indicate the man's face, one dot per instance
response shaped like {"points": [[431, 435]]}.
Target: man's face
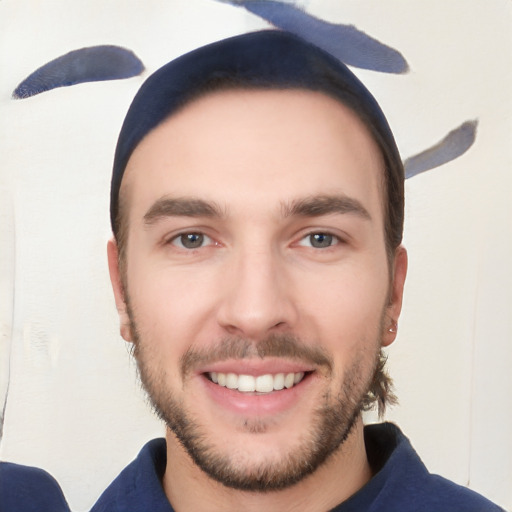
{"points": [[257, 283]]}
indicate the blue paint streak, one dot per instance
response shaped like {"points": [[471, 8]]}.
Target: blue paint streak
{"points": [[345, 42], [92, 64], [455, 144]]}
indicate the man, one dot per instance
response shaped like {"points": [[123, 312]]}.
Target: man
{"points": [[257, 267]]}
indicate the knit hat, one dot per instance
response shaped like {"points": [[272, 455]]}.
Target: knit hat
{"points": [[268, 59]]}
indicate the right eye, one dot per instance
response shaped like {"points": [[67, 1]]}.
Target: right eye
{"points": [[191, 240]]}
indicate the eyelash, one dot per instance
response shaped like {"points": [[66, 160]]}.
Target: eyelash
{"points": [[331, 238], [178, 240]]}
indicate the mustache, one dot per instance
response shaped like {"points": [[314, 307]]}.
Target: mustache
{"points": [[275, 345]]}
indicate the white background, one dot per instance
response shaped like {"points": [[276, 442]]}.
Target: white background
{"points": [[74, 404]]}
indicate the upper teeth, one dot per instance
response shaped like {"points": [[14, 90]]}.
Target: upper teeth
{"points": [[262, 383]]}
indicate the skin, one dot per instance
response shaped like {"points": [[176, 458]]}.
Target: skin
{"points": [[254, 156]]}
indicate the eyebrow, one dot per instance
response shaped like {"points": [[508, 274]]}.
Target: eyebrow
{"points": [[181, 207], [316, 206]]}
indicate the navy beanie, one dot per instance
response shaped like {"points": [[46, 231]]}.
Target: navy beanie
{"points": [[269, 59]]}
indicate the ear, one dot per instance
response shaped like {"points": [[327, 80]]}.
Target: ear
{"points": [[395, 296], [117, 286]]}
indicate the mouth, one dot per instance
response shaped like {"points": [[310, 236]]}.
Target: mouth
{"points": [[261, 384], [259, 389]]}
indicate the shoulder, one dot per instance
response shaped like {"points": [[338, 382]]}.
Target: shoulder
{"points": [[443, 494], [29, 489], [138, 486], [406, 484]]}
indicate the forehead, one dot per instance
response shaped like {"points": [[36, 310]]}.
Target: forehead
{"points": [[257, 144]]}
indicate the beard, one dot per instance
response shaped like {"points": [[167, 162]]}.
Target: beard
{"points": [[331, 421]]}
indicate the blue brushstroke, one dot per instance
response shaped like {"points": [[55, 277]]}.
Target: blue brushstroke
{"points": [[455, 144], [92, 64], [345, 42]]}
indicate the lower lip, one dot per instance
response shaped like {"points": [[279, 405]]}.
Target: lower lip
{"points": [[252, 404]]}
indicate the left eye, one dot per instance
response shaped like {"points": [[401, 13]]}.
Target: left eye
{"points": [[319, 240], [191, 240]]}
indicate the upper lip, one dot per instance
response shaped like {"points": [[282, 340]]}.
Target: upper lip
{"points": [[256, 366]]}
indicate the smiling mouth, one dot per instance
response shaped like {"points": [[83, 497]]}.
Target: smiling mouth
{"points": [[261, 384]]}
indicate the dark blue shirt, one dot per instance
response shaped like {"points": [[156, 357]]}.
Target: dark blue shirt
{"points": [[401, 482], [28, 489]]}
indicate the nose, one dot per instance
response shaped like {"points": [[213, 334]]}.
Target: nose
{"points": [[258, 295]]}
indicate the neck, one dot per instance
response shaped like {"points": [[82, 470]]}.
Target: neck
{"points": [[188, 488]]}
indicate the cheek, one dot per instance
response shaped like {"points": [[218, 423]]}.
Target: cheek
{"points": [[170, 307], [347, 298], [345, 317]]}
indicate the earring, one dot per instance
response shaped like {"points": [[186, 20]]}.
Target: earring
{"points": [[394, 327]]}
